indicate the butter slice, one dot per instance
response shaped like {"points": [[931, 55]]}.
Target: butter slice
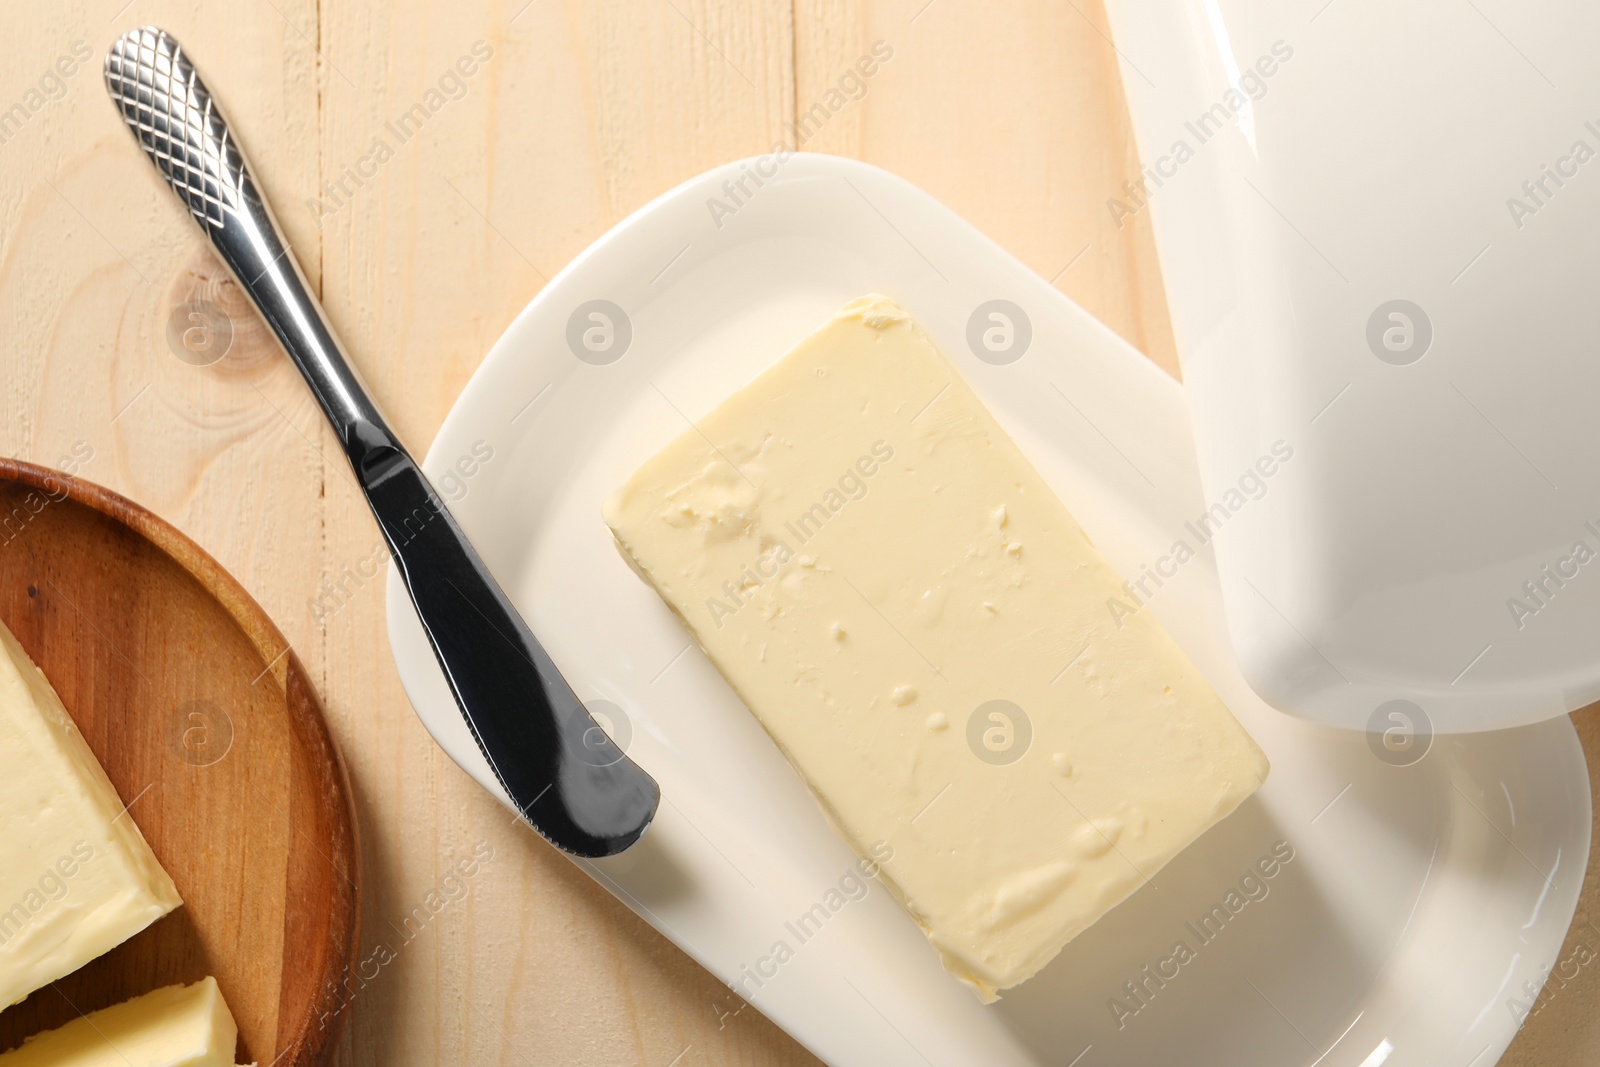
{"points": [[924, 631], [76, 876], [178, 1026]]}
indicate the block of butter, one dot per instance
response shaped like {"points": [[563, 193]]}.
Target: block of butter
{"points": [[76, 876], [928, 636], [178, 1026]]}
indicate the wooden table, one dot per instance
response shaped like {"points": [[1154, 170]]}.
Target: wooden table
{"points": [[429, 205]]}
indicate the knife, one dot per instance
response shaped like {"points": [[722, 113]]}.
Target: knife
{"points": [[557, 766]]}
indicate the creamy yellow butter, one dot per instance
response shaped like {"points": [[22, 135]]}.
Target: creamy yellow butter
{"points": [[923, 629], [76, 876], [178, 1026]]}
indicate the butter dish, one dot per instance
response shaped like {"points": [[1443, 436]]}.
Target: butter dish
{"points": [[1333, 897]]}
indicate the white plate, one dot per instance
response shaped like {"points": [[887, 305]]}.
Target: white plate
{"points": [[1420, 899]]}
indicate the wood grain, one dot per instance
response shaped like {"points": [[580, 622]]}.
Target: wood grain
{"points": [[208, 727], [1010, 112], [1013, 115]]}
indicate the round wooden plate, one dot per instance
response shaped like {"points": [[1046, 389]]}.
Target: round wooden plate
{"points": [[213, 735]]}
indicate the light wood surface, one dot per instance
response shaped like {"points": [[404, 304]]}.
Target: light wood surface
{"points": [[1010, 112], [212, 734]]}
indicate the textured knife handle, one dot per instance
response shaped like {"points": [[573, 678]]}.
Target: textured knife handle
{"points": [[176, 121]]}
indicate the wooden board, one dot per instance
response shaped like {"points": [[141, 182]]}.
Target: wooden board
{"points": [[208, 727], [1010, 112]]}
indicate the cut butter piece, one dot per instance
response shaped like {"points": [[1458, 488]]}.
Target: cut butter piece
{"points": [[927, 635], [178, 1026], [76, 876]]}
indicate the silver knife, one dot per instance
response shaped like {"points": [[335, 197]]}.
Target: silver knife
{"points": [[565, 776]]}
